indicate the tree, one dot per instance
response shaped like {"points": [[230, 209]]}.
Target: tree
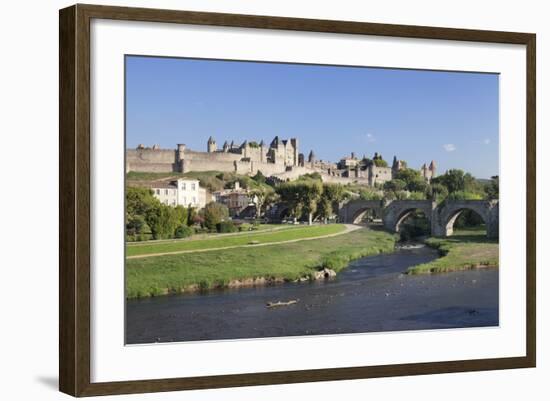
{"points": [[301, 197], [418, 185], [370, 194], [395, 185], [453, 180], [163, 221], [214, 213], [259, 177], [331, 195], [465, 195], [310, 193], [417, 195], [462, 185], [324, 209], [380, 163], [408, 175], [139, 202], [263, 197], [438, 192], [137, 226], [181, 215], [414, 182], [492, 189], [191, 215]]}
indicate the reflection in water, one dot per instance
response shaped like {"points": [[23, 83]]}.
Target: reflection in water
{"points": [[370, 295]]}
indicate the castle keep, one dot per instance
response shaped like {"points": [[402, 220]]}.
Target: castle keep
{"points": [[280, 159]]}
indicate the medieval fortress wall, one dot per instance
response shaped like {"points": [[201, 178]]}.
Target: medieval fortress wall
{"points": [[280, 159]]}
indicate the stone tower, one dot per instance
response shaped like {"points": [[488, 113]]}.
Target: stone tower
{"points": [[311, 158], [225, 147], [295, 153], [263, 152], [244, 149], [301, 159], [428, 172], [180, 154], [432, 168], [211, 145]]}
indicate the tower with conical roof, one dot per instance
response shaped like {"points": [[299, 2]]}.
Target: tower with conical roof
{"points": [[211, 145], [311, 158]]}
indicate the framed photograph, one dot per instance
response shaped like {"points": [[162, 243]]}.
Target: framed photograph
{"points": [[249, 200]]}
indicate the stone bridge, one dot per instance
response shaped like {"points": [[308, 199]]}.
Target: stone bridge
{"points": [[441, 217]]}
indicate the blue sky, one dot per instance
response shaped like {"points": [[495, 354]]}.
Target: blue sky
{"points": [[450, 117]]}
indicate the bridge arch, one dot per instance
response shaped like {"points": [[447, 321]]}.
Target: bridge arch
{"points": [[408, 213], [354, 210], [448, 212], [398, 211]]}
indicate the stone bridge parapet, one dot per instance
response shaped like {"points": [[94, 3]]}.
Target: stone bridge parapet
{"points": [[441, 217]]}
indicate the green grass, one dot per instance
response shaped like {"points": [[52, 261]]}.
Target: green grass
{"points": [[176, 273], [466, 249], [223, 241]]}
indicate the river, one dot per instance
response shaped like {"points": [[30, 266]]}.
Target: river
{"points": [[370, 295]]}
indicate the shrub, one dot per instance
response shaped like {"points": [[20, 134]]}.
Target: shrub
{"points": [[201, 230], [184, 231], [464, 195], [417, 196], [226, 227], [245, 227], [369, 194], [144, 237], [214, 213]]}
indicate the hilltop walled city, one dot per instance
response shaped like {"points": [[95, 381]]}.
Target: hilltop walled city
{"points": [[281, 161]]}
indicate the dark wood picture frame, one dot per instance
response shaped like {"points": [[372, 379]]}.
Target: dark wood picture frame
{"points": [[74, 203]]}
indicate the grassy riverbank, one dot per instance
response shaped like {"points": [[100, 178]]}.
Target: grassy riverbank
{"points": [[279, 262], [227, 240], [464, 250]]}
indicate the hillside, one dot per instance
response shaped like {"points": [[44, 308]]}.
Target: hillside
{"points": [[212, 180]]}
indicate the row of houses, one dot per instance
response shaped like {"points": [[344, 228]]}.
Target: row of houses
{"points": [[188, 192]]}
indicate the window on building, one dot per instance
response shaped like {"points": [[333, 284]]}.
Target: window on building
{"points": [[158, 191], [183, 186], [192, 187], [194, 200], [165, 192]]}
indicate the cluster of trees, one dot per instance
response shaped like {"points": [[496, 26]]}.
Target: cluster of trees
{"points": [[311, 198], [147, 218], [454, 184]]}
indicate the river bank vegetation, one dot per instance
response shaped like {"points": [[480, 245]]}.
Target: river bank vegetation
{"points": [[466, 249], [160, 275]]}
